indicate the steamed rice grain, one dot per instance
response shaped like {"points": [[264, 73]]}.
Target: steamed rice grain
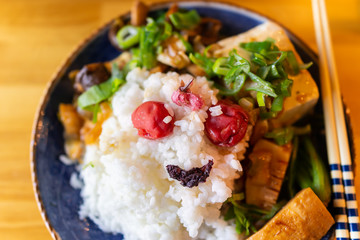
{"points": [[129, 190]]}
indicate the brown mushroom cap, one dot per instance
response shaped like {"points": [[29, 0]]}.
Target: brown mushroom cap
{"points": [[90, 75]]}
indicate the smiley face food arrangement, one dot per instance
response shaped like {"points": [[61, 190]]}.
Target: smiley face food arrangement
{"points": [[190, 134]]}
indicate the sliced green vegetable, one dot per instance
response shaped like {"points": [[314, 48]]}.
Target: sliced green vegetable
{"points": [[312, 171], [259, 59], [262, 85], [281, 136], [292, 62], [149, 37], [285, 135], [305, 65], [99, 93], [277, 104], [260, 97], [185, 20], [204, 62], [128, 36], [221, 66], [292, 168]]}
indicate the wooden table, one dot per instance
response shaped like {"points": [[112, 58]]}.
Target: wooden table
{"points": [[37, 36]]}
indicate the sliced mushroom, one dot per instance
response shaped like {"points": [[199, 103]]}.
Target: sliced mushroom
{"points": [[209, 30], [90, 75], [139, 13]]}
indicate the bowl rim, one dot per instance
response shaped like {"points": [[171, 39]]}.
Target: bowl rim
{"points": [[51, 84]]}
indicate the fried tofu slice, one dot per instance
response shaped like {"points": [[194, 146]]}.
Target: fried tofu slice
{"points": [[265, 177], [304, 218], [304, 92]]}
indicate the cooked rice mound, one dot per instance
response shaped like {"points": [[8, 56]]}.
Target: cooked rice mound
{"points": [[129, 191]]}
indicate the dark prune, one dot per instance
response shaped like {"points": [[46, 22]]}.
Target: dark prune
{"points": [[192, 177]]}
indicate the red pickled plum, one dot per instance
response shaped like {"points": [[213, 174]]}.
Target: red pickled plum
{"points": [[229, 128], [152, 120]]}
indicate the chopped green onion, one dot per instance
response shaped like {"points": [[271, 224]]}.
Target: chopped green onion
{"points": [[204, 62], [167, 31], [258, 59], [285, 87], [98, 93], [148, 39], [267, 115], [305, 65], [277, 104], [95, 111], [229, 92], [221, 66], [185, 20], [281, 136], [292, 62], [286, 134], [260, 97], [263, 72], [262, 85], [235, 60], [128, 36], [257, 47]]}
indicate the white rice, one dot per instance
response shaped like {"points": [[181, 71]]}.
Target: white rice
{"points": [[66, 160], [215, 111], [129, 190]]}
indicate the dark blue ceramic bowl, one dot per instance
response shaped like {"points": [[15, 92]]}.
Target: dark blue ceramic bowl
{"points": [[58, 201]]}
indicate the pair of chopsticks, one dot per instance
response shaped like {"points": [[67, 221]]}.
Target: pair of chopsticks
{"points": [[345, 204]]}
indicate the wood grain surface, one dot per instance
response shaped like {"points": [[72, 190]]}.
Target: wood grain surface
{"points": [[37, 36]]}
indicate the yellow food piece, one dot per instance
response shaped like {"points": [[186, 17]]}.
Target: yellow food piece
{"points": [[304, 92], [304, 217], [71, 120], [265, 177], [73, 148], [90, 132]]}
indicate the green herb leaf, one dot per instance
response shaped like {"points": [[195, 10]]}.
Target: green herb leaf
{"points": [[185, 20], [247, 215]]}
